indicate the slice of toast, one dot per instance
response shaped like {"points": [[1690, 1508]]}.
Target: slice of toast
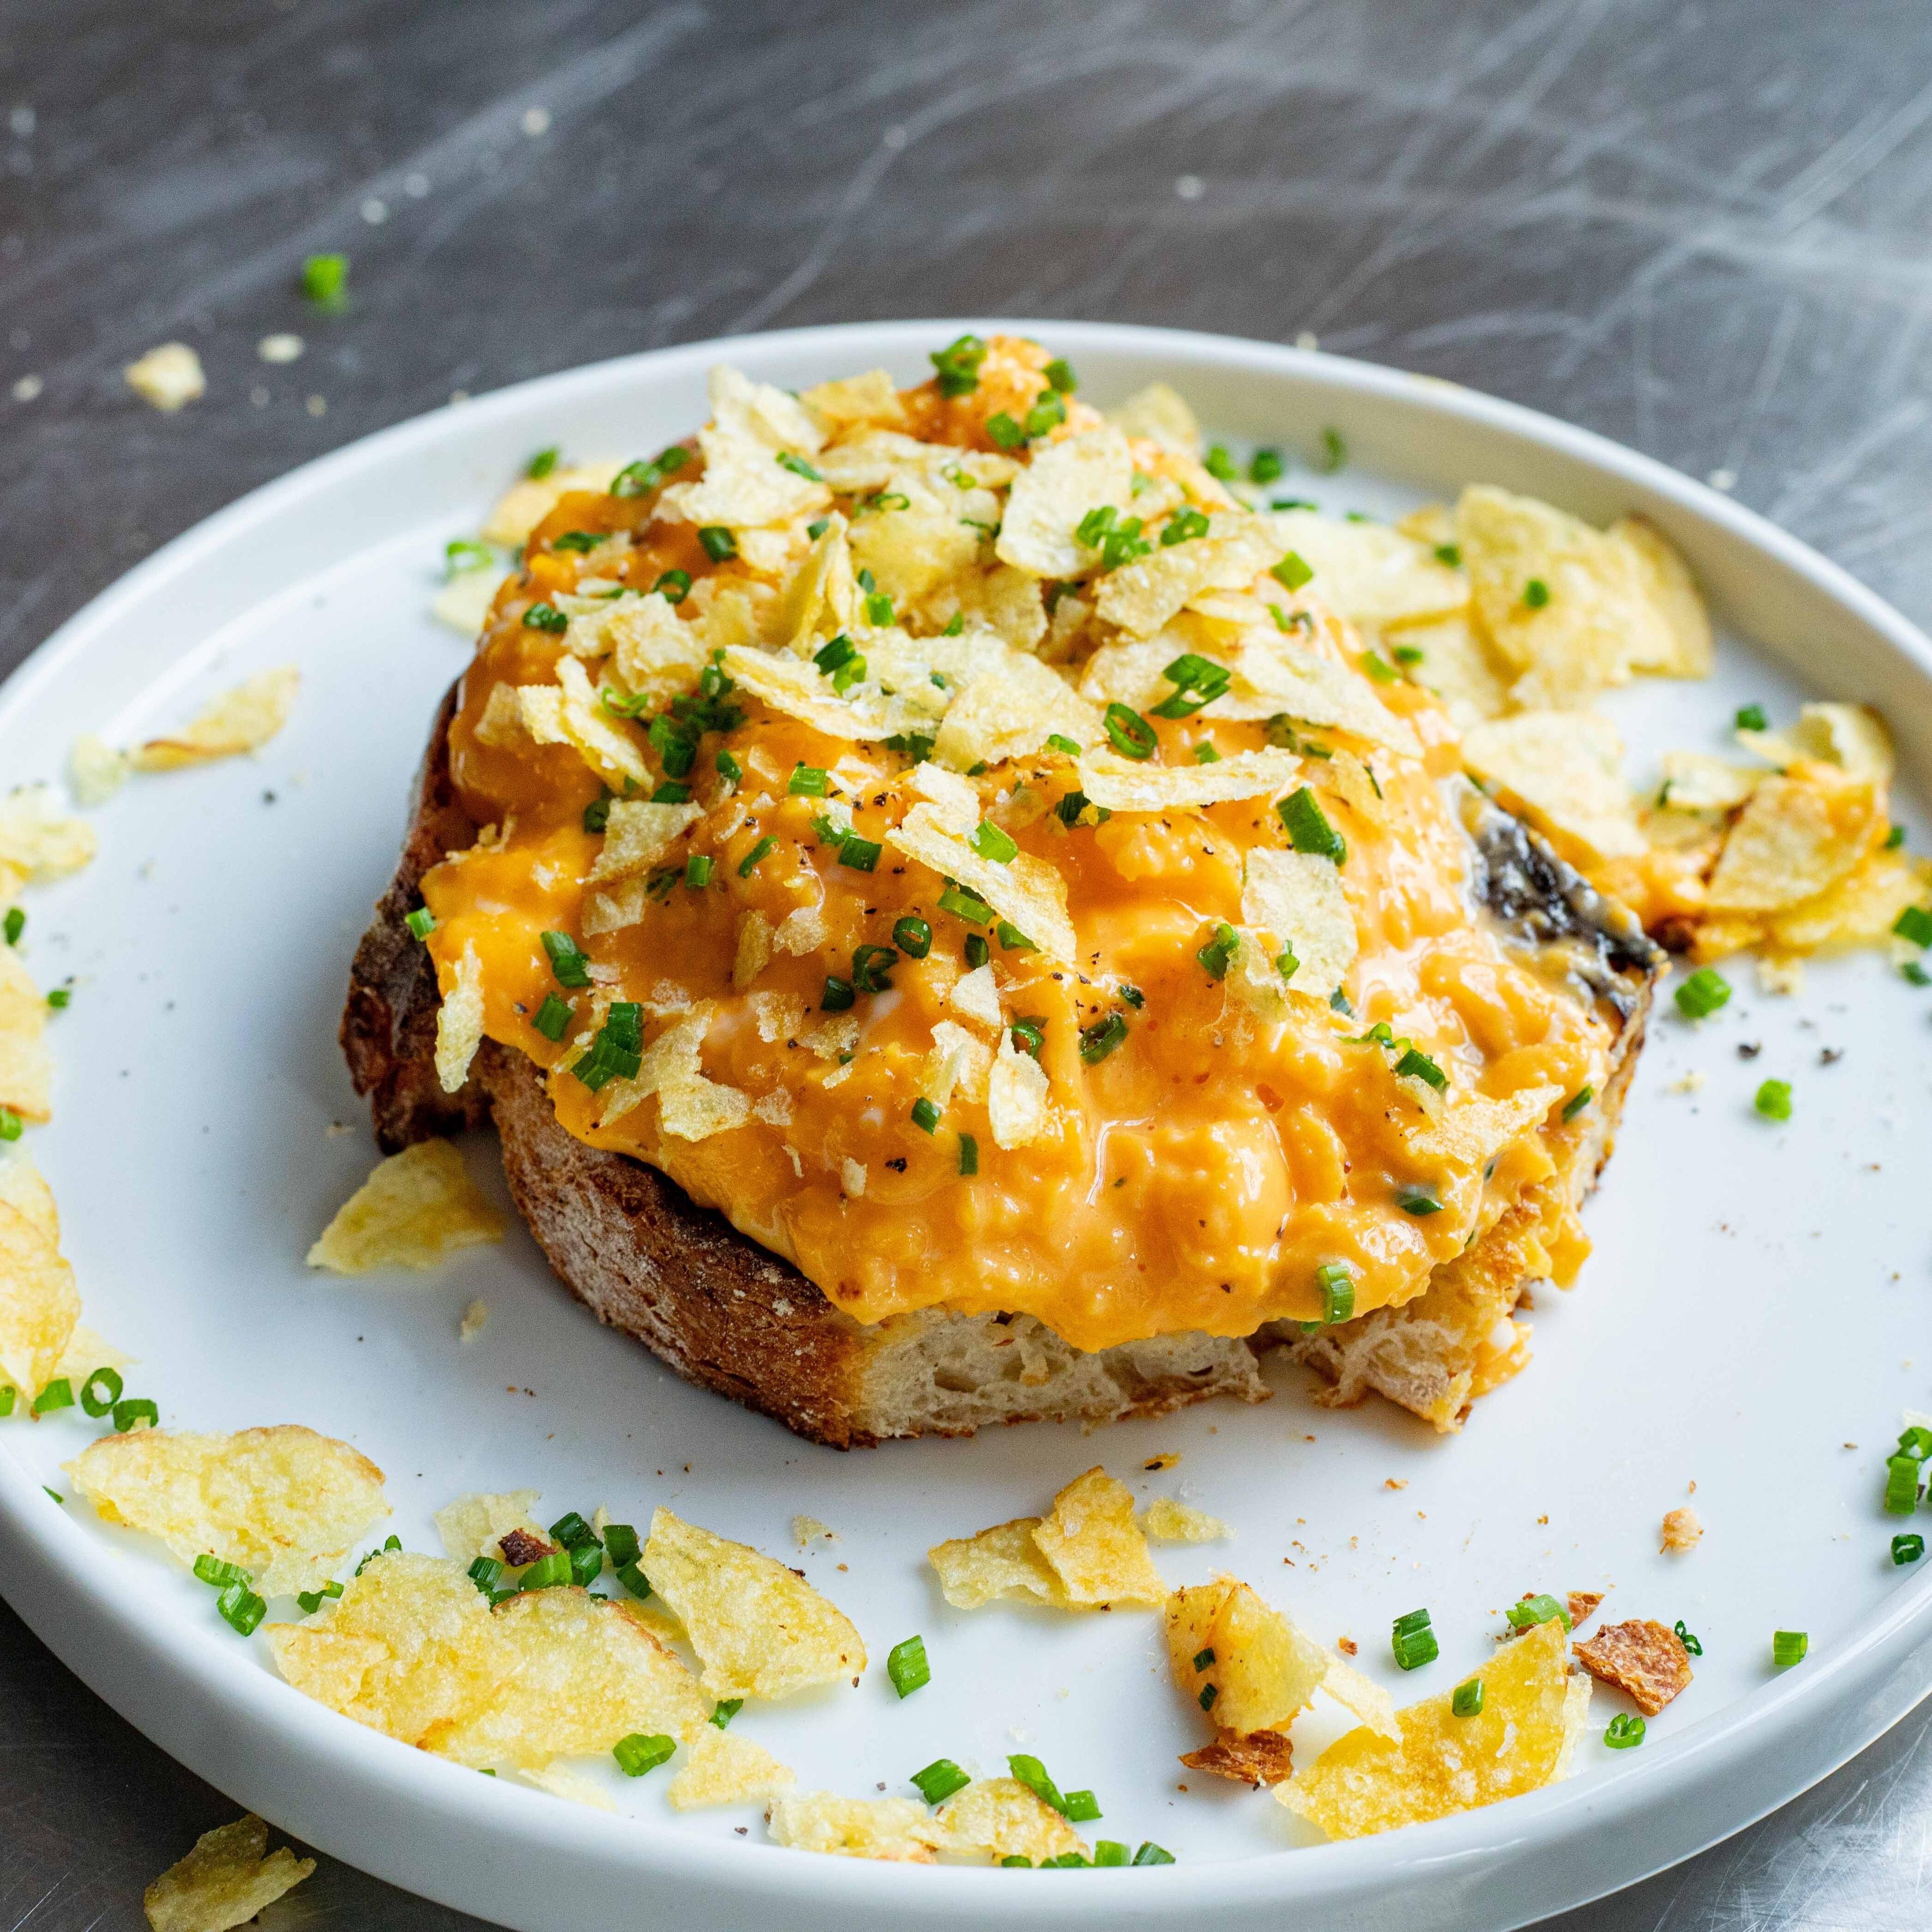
{"points": [[732, 1317]]}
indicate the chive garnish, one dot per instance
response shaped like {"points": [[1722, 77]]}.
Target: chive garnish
{"points": [[1625, 1731], [642, 1751], [1130, 733], [1414, 1641], [906, 1665], [1789, 1647], [1308, 827], [1292, 571], [1702, 994], [940, 1779], [1467, 1699]]}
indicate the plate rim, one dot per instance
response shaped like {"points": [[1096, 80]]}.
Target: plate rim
{"points": [[365, 1798]]}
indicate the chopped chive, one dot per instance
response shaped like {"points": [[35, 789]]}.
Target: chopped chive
{"points": [[1414, 1641], [1032, 1774], [1183, 526], [136, 1408], [1017, 1858], [1625, 1731], [1004, 431], [1058, 742], [912, 936], [1218, 464], [838, 995], [642, 1751], [717, 542], [10, 1124], [1751, 718], [1894, 838], [568, 962], [546, 617], [618, 1049], [9, 1395], [1414, 1064], [799, 467], [1417, 1201], [547, 1572], [1467, 1699], [60, 998], [1334, 452], [1449, 553], [459, 555], [1578, 1101], [1914, 923], [1901, 1485], [634, 1578], [940, 1779], [1082, 1808], [1788, 1647], [1907, 1548], [1292, 571], [977, 951], [620, 1540], [1029, 1034], [1407, 656], [755, 856], [1131, 735], [542, 464], [1099, 1040], [925, 1117], [241, 1609], [1379, 668], [1151, 1854], [486, 1573], [1012, 939], [729, 767], [806, 781], [957, 366], [100, 1391], [1337, 1288], [878, 614], [991, 843], [726, 1710], [1209, 1693], [957, 900], [1535, 1610], [906, 1665], [1108, 1851], [1308, 828], [1773, 1100], [573, 1532], [16, 924], [1202, 1658], [698, 871], [58, 1393], [969, 1155], [1916, 1442], [211, 1569], [860, 855], [1915, 974], [1217, 955], [1197, 681], [671, 793], [1205, 754], [587, 1565], [1059, 376], [325, 280], [1265, 465], [1702, 994], [836, 652], [1536, 593], [597, 813], [578, 541]]}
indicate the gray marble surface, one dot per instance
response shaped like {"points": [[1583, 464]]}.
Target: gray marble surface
{"points": [[1698, 225]]}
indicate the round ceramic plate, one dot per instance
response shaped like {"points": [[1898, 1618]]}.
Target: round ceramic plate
{"points": [[1753, 1310]]}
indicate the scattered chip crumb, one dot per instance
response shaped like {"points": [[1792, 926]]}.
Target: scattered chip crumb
{"points": [[1259, 1758], [1692, 1082], [168, 377], [243, 719], [1641, 1658], [1582, 1605], [806, 1529], [1167, 1521], [416, 1209], [229, 1877], [1166, 1460], [1394, 1482], [727, 1767], [1682, 1530], [475, 1317], [281, 347]]}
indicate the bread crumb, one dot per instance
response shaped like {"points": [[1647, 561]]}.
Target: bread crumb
{"points": [[1682, 1530], [1394, 1482], [474, 1317], [1346, 1645]]}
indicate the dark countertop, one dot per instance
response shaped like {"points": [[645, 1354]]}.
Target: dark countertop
{"points": [[1697, 225]]}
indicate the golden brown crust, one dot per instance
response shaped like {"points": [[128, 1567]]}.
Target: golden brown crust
{"points": [[1261, 1757], [1641, 1658]]}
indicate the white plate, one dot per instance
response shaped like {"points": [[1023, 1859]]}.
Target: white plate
{"points": [[1756, 1300]]}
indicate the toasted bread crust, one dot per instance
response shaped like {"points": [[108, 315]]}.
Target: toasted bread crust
{"points": [[730, 1316]]}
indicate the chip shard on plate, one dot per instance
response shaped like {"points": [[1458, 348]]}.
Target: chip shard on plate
{"points": [[1092, 1544], [1002, 1562], [1240, 1659], [897, 1830], [1644, 1659], [241, 720], [229, 1878], [284, 1503], [1260, 1758], [727, 1767], [39, 1305], [475, 1524], [1560, 770], [26, 1061], [1167, 1521], [995, 1818], [759, 1629], [416, 1209], [1682, 1531]]}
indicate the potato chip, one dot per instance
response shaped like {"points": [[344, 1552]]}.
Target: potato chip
{"points": [[796, 689], [1274, 674], [1167, 1521], [1018, 1109], [1010, 712], [1560, 770], [1433, 523], [36, 841], [1141, 596], [501, 726], [228, 1878], [1859, 909], [1594, 620], [957, 1060], [1361, 1696], [26, 1065], [1522, 1738], [1472, 1132], [1161, 414], [744, 486], [565, 1781], [285, 1503], [1681, 1530], [1799, 833], [858, 402], [569, 1673], [1029, 892], [759, 1629], [895, 1829], [475, 1524], [1244, 1664], [1673, 593], [1646, 1660], [168, 377], [1457, 664], [726, 1767], [464, 603], [87, 1350], [996, 1818], [95, 770], [241, 720], [1121, 785], [657, 654], [1852, 736], [570, 712], [1298, 898], [40, 1307], [977, 995], [525, 504], [405, 1649], [1371, 573], [1008, 602], [1063, 483], [1002, 1562], [1092, 1544], [415, 1210], [459, 1021], [1697, 781], [637, 835], [911, 550], [690, 1106], [1261, 1758]]}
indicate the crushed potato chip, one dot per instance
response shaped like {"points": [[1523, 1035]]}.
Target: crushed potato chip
{"points": [[1063, 483], [1092, 1544], [1272, 674], [912, 551], [1859, 909], [1369, 573], [1697, 781], [39, 1306], [1167, 1521], [1010, 711], [1645, 1659], [284, 1504], [1141, 596], [1299, 897], [168, 377], [657, 654], [1470, 1133], [475, 1525], [1560, 770], [1533, 1713], [1261, 1668], [459, 1022], [794, 688], [1017, 1107], [229, 1878], [859, 402], [570, 712], [976, 995], [26, 1065], [415, 1210], [690, 1106], [1002, 1562], [95, 770], [1457, 664], [1681, 1530], [759, 1629], [526, 503], [726, 1767], [894, 1829], [465, 602], [565, 1781], [1001, 1818], [37, 842], [1673, 594], [241, 720], [637, 834], [957, 1059], [1261, 1758], [1799, 834], [501, 726], [568, 1674], [1121, 785], [1029, 892], [1161, 414]]}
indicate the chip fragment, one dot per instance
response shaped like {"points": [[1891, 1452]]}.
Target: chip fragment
{"points": [[1261, 1757], [897, 1830], [39, 1306], [37, 842], [241, 720], [475, 1525], [459, 1022], [1092, 1544], [1560, 770], [1161, 415], [1121, 785], [1800, 833], [637, 835], [1523, 1738], [727, 1767], [284, 1503], [1298, 898], [228, 1878], [26, 1065], [1000, 1818], [1371, 573], [416, 1209], [525, 503], [1642, 1658], [1063, 484], [1682, 1531], [1028, 891], [1167, 1521], [759, 1629], [1241, 1661], [1002, 1562]]}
